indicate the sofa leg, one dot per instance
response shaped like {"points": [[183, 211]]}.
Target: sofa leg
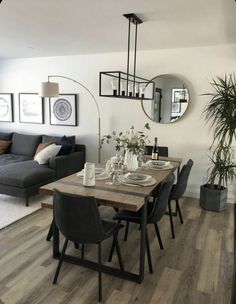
{"points": [[27, 202]]}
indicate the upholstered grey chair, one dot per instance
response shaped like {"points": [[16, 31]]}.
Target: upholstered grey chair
{"points": [[163, 151], [78, 219], [177, 192], [155, 212]]}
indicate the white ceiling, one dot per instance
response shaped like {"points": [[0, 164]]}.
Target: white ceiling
{"points": [[33, 28]]}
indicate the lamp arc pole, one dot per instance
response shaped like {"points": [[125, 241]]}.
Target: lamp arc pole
{"points": [[95, 101]]}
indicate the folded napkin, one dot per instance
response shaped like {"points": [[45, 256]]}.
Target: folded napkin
{"points": [[100, 174]]}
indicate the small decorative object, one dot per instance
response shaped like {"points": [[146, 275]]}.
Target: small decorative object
{"points": [[131, 160], [220, 112], [6, 107], [133, 144], [63, 110], [89, 175], [31, 108]]}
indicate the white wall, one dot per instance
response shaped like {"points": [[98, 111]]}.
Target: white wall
{"points": [[187, 138]]}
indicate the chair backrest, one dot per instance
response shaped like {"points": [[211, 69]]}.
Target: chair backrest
{"points": [[163, 151], [161, 200], [181, 185], [77, 217]]}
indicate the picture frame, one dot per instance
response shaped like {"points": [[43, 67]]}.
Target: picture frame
{"points": [[31, 108], [177, 95], [176, 107], [63, 110], [6, 107]]}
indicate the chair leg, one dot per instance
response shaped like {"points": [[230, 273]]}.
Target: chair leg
{"points": [[50, 232], [76, 245], [60, 261], [149, 254], [118, 251], [126, 231], [171, 220], [99, 272], [179, 211], [158, 236], [82, 251], [111, 251], [27, 202]]}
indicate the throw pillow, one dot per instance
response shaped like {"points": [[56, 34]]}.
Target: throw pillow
{"points": [[56, 140], [50, 151], [42, 146], [4, 145], [66, 144]]}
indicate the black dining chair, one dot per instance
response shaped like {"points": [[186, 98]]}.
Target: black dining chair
{"points": [[78, 219], [177, 192], [163, 151], [155, 212]]}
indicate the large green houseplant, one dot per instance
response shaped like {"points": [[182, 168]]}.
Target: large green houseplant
{"points": [[221, 113]]}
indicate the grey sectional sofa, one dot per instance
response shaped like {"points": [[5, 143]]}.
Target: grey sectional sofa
{"points": [[21, 176]]}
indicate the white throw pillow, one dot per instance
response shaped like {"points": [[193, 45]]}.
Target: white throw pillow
{"points": [[50, 151]]}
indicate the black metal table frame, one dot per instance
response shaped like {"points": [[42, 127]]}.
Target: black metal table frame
{"points": [[138, 278]]}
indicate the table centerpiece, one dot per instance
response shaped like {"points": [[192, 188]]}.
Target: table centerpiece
{"points": [[132, 143]]}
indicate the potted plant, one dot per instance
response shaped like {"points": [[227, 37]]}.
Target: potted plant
{"points": [[221, 112], [133, 143]]}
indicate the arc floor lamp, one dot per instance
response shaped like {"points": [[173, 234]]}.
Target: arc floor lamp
{"points": [[51, 89]]}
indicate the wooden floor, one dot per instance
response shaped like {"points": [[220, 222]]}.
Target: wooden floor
{"points": [[195, 268]]}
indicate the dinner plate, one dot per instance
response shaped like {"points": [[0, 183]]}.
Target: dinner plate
{"points": [[136, 177], [159, 163], [99, 171]]}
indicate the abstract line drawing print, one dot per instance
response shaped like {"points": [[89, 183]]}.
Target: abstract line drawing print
{"points": [[62, 109], [4, 107]]}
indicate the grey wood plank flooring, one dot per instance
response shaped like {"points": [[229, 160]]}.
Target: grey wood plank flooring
{"points": [[195, 268]]}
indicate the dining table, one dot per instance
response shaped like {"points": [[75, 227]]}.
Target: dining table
{"points": [[121, 196]]}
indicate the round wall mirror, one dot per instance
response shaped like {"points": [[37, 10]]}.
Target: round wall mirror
{"points": [[171, 99]]}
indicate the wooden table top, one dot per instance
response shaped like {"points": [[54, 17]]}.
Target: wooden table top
{"points": [[119, 196]]}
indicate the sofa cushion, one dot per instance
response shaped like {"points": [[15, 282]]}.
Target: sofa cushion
{"points": [[5, 136], [25, 174], [50, 151], [67, 146], [6, 159], [42, 146], [23, 144], [4, 145], [57, 140]]}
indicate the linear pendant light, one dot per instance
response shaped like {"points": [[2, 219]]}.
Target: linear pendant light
{"points": [[125, 85]]}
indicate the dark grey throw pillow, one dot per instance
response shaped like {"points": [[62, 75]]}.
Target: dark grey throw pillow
{"points": [[58, 139]]}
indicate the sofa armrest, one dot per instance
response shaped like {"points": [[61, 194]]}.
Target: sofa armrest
{"points": [[67, 164]]}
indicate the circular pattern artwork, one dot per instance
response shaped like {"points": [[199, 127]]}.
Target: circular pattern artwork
{"points": [[62, 109], [4, 107]]}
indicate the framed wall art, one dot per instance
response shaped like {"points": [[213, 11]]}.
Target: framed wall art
{"points": [[63, 110], [31, 108], [176, 107], [6, 107]]}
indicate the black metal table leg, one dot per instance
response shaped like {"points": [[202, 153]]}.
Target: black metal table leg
{"points": [[143, 225]]}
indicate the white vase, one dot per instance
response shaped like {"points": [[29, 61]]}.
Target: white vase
{"points": [[131, 161]]}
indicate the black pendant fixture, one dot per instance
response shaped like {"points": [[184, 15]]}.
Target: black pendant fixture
{"points": [[123, 84]]}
